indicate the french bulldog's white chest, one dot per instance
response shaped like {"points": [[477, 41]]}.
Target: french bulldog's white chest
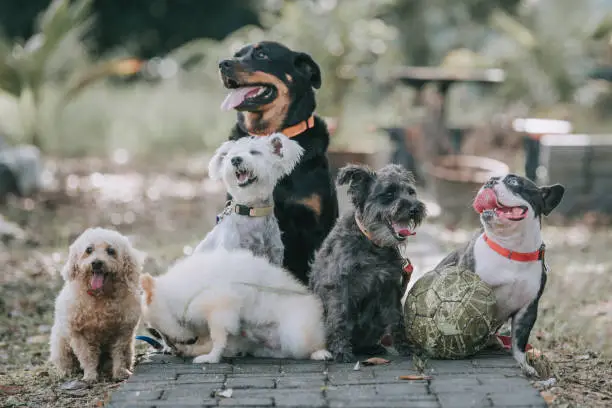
{"points": [[515, 284]]}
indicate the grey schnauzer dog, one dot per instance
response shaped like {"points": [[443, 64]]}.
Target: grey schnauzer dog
{"points": [[358, 272], [250, 167]]}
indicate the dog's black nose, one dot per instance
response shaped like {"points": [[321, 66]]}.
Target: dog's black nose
{"points": [[97, 264], [491, 182], [236, 161], [225, 64]]}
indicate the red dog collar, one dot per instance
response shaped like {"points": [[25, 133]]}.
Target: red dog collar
{"points": [[515, 256], [299, 128], [296, 129]]}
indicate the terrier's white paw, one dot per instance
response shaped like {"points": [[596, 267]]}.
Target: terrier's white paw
{"points": [[321, 355], [207, 358]]}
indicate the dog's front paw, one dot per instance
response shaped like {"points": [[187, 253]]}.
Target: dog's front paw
{"points": [[321, 355], [528, 370], [121, 374], [90, 377], [207, 358]]}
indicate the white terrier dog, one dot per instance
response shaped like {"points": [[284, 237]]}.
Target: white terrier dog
{"points": [[220, 303], [250, 167]]}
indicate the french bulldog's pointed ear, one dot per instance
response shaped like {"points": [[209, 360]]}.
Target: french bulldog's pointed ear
{"points": [[552, 196], [306, 66], [360, 179]]}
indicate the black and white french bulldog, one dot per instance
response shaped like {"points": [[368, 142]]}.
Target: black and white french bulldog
{"points": [[508, 253]]}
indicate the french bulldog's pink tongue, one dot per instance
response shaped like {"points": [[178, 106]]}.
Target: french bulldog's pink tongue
{"points": [[511, 212], [237, 96], [97, 281], [402, 230], [485, 200]]}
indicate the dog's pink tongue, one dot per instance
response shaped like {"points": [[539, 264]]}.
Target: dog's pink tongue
{"points": [[402, 231], [511, 212], [237, 96], [97, 281], [485, 200]]}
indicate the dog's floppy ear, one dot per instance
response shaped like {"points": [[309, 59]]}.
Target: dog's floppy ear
{"points": [[552, 196], [147, 282], [306, 66], [360, 179], [214, 166], [70, 268], [288, 150]]}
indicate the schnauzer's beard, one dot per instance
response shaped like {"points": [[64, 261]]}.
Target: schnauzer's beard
{"points": [[378, 219], [258, 191]]}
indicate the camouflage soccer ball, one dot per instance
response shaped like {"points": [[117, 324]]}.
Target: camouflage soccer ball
{"points": [[449, 313]]}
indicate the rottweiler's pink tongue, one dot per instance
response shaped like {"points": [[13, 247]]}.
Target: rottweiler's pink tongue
{"points": [[97, 281], [485, 200], [237, 96]]}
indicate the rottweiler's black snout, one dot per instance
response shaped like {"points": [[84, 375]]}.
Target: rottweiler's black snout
{"points": [[225, 65]]}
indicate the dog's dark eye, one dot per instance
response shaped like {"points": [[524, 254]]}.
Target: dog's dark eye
{"points": [[111, 251], [89, 250], [512, 181], [259, 54], [255, 152], [411, 191]]}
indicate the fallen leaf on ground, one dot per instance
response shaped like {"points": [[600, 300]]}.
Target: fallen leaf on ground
{"points": [[548, 396], [415, 377], [375, 361], [357, 367], [226, 393]]}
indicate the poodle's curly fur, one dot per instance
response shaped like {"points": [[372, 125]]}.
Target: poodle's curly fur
{"points": [[98, 309]]}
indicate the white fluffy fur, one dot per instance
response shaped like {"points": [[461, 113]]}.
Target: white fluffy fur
{"points": [[260, 155], [515, 284], [229, 300]]}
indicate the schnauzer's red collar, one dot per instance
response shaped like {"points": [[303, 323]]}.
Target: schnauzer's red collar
{"points": [[406, 264], [296, 129], [515, 256]]}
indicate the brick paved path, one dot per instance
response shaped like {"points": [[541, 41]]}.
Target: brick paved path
{"points": [[490, 380]]}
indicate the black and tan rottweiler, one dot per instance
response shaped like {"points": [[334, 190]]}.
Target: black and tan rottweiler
{"points": [[272, 88]]}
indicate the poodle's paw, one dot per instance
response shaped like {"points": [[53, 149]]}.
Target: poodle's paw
{"points": [[90, 377], [121, 374], [321, 355], [207, 358]]}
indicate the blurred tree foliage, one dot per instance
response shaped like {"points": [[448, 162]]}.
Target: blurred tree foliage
{"points": [[146, 27]]}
